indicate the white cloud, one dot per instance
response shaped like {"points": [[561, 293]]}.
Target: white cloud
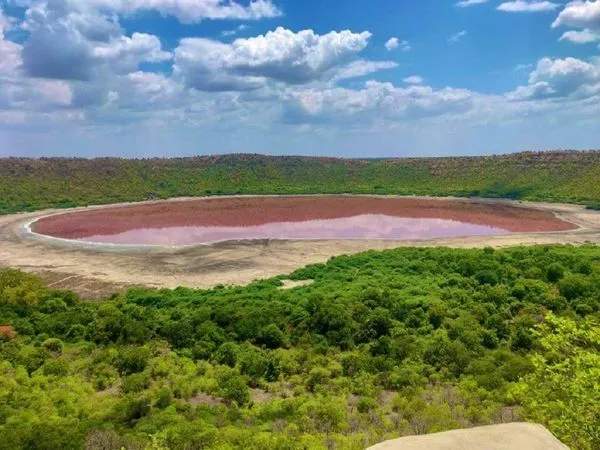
{"points": [[64, 44], [568, 69], [95, 79], [395, 43], [584, 36], [33, 95], [457, 37], [5, 23], [376, 101], [467, 3], [579, 14], [280, 55], [527, 6], [392, 44], [10, 52], [234, 31], [185, 10], [414, 79], [560, 78], [361, 68], [140, 47]]}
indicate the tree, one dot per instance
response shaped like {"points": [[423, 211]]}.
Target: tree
{"points": [[573, 286], [562, 392], [132, 359], [555, 272], [17, 287], [227, 354], [271, 336], [234, 388]]}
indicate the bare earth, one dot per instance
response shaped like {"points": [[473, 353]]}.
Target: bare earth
{"points": [[96, 271], [510, 436]]}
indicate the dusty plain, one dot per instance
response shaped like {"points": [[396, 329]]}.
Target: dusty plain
{"points": [[96, 271]]}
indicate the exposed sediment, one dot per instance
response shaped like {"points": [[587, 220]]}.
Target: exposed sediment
{"points": [[95, 272]]}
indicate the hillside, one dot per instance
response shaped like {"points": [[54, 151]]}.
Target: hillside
{"points": [[30, 184], [381, 345]]}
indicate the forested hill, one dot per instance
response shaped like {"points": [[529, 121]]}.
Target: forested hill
{"points": [[29, 184]]}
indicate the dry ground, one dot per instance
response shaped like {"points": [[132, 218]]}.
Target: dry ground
{"points": [[510, 436], [95, 272]]}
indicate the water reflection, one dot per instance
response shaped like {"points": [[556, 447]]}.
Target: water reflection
{"points": [[368, 226]]}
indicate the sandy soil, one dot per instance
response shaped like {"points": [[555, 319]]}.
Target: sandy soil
{"points": [[510, 436], [291, 284], [97, 271]]}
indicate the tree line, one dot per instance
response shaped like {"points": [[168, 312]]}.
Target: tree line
{"points": [[32, 184]]}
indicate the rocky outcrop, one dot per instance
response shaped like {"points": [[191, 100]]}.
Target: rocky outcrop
{"points": [[510, 436]]}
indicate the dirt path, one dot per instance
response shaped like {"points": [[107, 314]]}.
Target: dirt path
{"points": [[95, 272]]}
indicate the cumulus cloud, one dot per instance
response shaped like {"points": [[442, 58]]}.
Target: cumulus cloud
{"points": [[69, 45], [467, 3], [395, 43], [25, 95], [381, 101], [75, 62], [584, 36], [186, 11], [560, 78], [10, 52], [414, 79], [527, 6], [280, 55], [5, 23], [580, 14]]}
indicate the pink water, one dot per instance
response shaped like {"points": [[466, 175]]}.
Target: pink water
{"points": [[367, 226]]}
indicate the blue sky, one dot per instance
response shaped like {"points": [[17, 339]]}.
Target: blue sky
{"points": [[141, 78]]}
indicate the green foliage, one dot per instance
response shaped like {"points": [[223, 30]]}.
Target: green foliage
{"points": [[27, 184], [381, 344], [271, 336], [132, 359], [562, 391], [234, 387], [53, 345], [17, 287], [555, 272]]}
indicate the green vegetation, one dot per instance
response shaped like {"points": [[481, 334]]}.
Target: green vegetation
{"points": [[28, 184], [382, 344]]}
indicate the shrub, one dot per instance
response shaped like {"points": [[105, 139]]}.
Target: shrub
{"points": [[366, 404], [56, 367], [53, 345], [573, 286], [487, 277], [135, 383], [555, 272], [233, 387], [271, 336], [132, 359], [227, 354]]}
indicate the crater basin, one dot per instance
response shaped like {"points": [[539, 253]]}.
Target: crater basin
{"points": [[206, 221]]}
